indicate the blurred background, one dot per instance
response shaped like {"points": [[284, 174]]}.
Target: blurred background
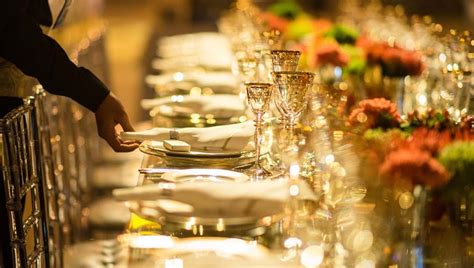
{"points": [[134, 26]]}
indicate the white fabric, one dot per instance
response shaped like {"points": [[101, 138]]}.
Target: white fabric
{"points": [[233, 137], [108, 212], [214, 200], [221, 105]]}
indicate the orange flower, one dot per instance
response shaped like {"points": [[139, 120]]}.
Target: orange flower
{"points": [[429, 140], [413, 166], [412, 62], [330, 53], [372, 113], [275, 22], [321, 26], [395, 60]]}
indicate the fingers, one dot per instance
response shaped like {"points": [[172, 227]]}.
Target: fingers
{"points": [[108, 116], [107, 132], [124, 122]]}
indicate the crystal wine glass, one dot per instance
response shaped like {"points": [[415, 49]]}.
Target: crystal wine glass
{"points": [[285, 61], [291, 93], [258, 96], [290, 98]]}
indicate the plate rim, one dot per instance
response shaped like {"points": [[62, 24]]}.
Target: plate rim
{"points": [[171, 175], [146, 147]]}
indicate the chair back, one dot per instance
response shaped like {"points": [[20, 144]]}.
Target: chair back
{"points": [[65, 140], [23, 184], [54, 199]]}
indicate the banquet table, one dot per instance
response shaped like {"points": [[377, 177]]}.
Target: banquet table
{"points": [[353, 140]]}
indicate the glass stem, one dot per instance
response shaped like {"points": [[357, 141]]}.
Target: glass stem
{"points": [[257, 136], [291, 130]]}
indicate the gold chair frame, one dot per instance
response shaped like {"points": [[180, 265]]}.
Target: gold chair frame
{"points": [[23, 183]]}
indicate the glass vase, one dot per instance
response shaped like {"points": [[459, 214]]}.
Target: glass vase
{"points": [[407, 227]]}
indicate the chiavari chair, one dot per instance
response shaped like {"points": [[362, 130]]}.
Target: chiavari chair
{"points": [[51, 193], [23, 183], [70, 162]]}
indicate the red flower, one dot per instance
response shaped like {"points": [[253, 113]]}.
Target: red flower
{"points": [[414, 167]]}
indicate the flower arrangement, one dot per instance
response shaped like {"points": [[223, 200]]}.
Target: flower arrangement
{"points": [[411, 151], [394, 60], [337, 44]]}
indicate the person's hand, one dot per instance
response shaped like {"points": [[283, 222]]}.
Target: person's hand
{"points": [[110, 114]]}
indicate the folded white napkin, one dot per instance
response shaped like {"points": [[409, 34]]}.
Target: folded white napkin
{"points": [[221, 105], [233, 137], [220, 200]]}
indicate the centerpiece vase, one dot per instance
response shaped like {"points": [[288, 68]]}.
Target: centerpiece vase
{"points": [[408, 222], [394, 90]]}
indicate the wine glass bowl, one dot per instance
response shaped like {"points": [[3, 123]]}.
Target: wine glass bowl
{"points": [[291, 90], [285, 60], [259, 95]]}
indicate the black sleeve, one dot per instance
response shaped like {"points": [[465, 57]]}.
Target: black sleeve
{"points": [[36, 54]]}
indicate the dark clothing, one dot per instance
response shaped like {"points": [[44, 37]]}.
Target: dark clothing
{"points": [[23, 43]]}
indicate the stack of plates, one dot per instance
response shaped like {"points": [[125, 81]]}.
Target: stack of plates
{"points": [[183, 83], [197, 158], [208, 51], [196, 111]]}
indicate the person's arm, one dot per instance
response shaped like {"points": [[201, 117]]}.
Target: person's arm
{"points": [[36, 54]]}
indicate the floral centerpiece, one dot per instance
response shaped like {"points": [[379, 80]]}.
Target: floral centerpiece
{"points": [[414, 167]]}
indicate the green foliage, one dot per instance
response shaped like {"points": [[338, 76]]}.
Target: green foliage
{"points": [[379, 135], [343, 34], [299, 28], [357, 62], [289, 9], [458, 159]]}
